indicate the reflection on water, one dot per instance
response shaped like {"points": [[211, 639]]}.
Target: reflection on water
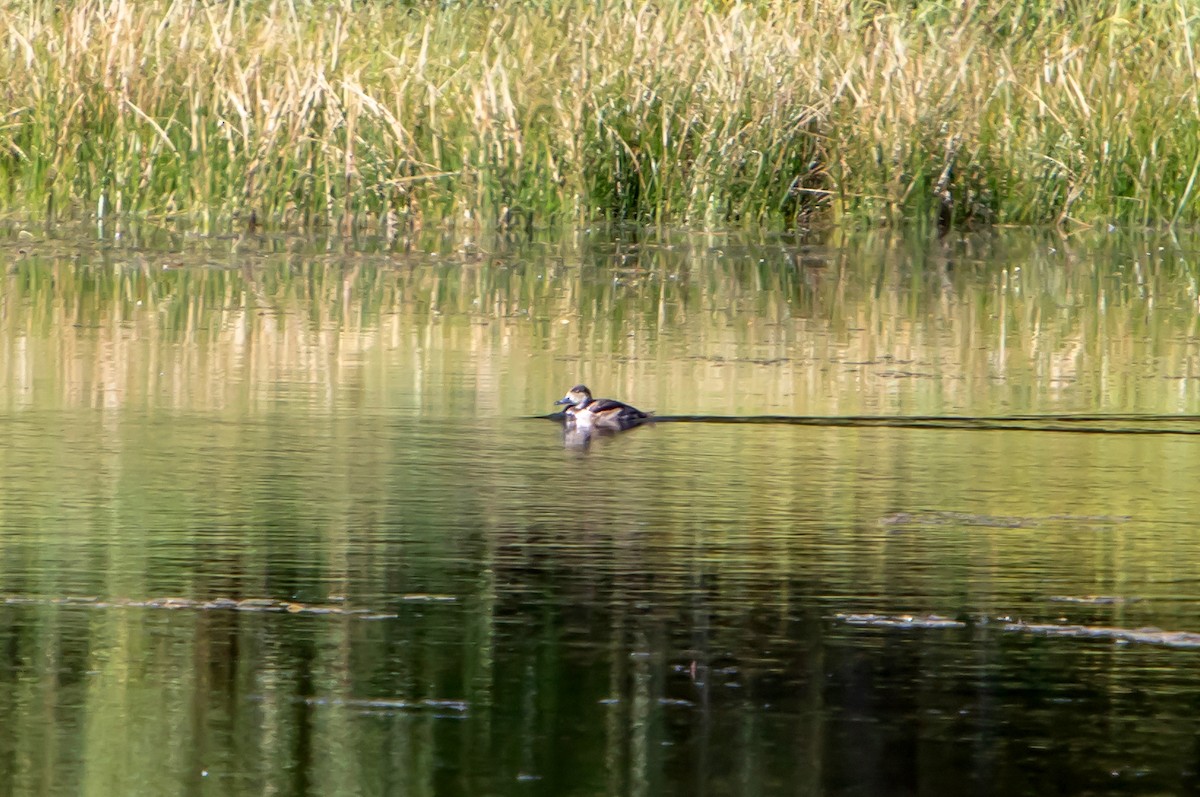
{"points": [[280, 518]]}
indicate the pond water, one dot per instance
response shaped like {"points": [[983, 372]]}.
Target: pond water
{"points": [[278, 515]]}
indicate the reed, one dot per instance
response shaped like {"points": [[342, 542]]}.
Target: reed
{"points": [[718, 114]]}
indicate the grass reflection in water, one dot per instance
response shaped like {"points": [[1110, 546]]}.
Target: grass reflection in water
{"points": [[278, 519]]}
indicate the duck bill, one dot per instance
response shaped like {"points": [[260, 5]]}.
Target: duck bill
{"points": [[564, 400]]}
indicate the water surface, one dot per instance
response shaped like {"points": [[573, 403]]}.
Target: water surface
{"points": [[277, 515]]}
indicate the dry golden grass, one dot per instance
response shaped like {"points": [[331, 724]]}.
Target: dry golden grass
{"points": [[701, 114]]}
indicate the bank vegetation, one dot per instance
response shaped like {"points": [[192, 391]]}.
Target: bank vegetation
{"points": [[398, 115]]}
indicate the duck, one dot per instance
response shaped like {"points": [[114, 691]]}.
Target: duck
{"points": [[587, 412]]}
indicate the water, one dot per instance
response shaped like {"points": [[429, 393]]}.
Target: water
{"points": [[277, 516]]}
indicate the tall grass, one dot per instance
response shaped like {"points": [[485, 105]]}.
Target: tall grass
{"points": [[713, 114]]}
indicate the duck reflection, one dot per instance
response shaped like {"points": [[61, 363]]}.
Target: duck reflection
{"points": [[580, 438]]}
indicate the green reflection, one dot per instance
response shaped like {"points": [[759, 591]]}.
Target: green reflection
{"points": [[275, 518]]}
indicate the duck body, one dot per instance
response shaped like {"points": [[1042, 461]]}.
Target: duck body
{"points": [[587, 412]]}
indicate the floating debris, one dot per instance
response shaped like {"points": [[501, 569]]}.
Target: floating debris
{"points": [[1144, 636], [268, 605], [390, 704], [901, 620], [418, 597], [259, 605], [1092, 600], [938, 517]]}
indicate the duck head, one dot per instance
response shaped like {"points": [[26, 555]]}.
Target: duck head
{"points": [[577, 396]]}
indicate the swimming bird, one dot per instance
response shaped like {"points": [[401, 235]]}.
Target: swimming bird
{"points": [[587, 412]]}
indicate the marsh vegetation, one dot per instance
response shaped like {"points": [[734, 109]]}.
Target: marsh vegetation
{"points": [[397, 115]]}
